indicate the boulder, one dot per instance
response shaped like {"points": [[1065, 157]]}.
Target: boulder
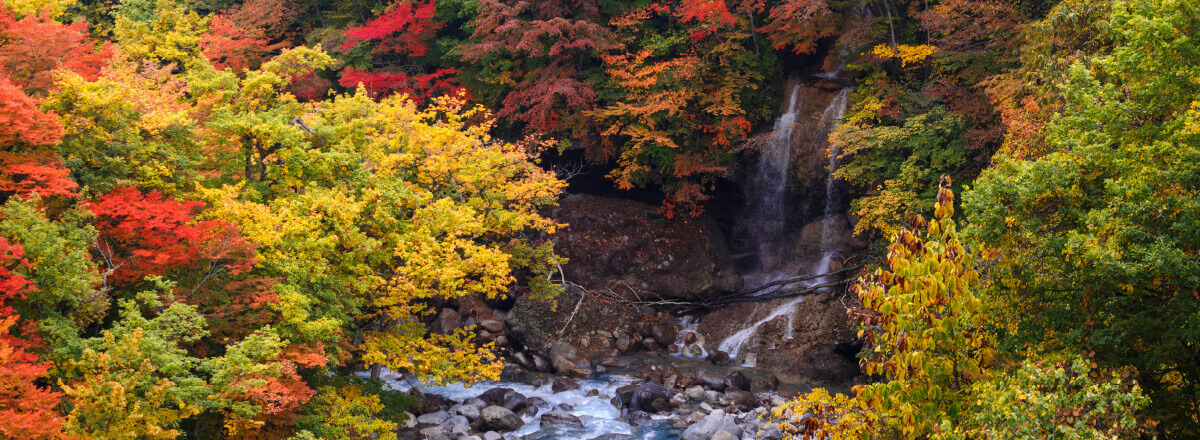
{"points": [[446, 322], [628, 247], [435, 418], [650, 397], [434, 433], [494, 396], [723, 435], [499, 418], [563, 419], [639, 418], [738, 380], [707, 427], [491, 325], [456, 426], [564, 384]]}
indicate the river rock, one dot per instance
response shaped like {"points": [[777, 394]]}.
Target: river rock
{"points": [[564, 384], [499, 418], [695, 394], [494, 396], [715, 421], [492, 435], [613, 437], [650, 397], [563, 419], [435, 418], [434, 433], [491, 325], [514, 401], [639, 418], [738, 380], [408, 420], [712, 379], [447, 320], [456, 426], [723, 435], [469, 411]]}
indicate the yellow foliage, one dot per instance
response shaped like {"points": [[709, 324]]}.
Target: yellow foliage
{"points": [[908, 54], [55, 8]]}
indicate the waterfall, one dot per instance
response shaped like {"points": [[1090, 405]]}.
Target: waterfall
{"points": [[733, 344], [767, 189], [768, 208], [829, 122]]}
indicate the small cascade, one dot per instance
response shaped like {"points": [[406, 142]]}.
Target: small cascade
{"points": [[734, 343], [829, 122], [689, 342], [766, 208]]}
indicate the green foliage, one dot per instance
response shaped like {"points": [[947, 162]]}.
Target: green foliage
{"points": [[928, 344], [1096, 239], [1066, 398], [930, 145]]}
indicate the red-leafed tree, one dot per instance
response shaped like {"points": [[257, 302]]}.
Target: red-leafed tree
{"points": [[395, 38], [25, 132], [148, 234], [32, 48], [26, 410], [545, 87], [799, 24], [406, 29], [246, 35]]}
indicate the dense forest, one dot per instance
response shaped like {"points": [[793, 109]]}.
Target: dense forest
{"points": [[217, 217]]}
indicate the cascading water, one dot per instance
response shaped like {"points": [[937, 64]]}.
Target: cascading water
{"points": [[772, 204], [767, 188], [829, 122]]}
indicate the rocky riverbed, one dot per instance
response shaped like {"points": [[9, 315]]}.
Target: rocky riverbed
{"points": [[631, 397]]}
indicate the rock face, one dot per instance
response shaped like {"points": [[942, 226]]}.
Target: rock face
{"points": [[819, 326], [628, 248], [536, 323]]}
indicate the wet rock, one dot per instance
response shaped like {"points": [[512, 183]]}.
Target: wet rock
{"points": [[742, 400], [469, 411], [615, 362], [435, 418], [738, 380], [536, 401], [494, 396], [672, 378], [695, 394], [563, 419], [499, 418], [564, 384], [593, 393], [808, 351], [712, 379], [514, 401], [639, 418], [529, 411], [564, 407], [715, 421], [613, 437], [719, 357], [650, 397], [625, 394], [433, 403]]}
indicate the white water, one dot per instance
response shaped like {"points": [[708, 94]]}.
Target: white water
{"points": [[597, 413], [734, 343], [766, 190], [829, 122], [690, 324]]}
